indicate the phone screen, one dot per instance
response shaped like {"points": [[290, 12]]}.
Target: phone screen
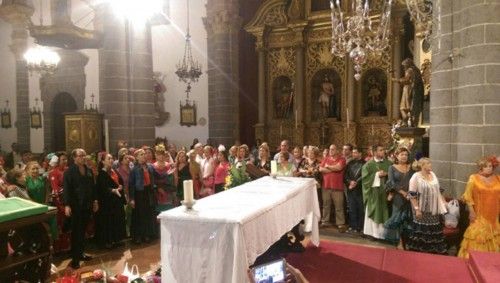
{"points": [[270, 272]]}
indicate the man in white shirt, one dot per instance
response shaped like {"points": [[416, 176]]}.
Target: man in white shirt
{"points": [[284, 146], [207, 170]]}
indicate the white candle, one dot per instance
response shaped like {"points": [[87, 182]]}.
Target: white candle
{"points": [[296, 120], [274, 167], [188, 191], [348, 118]]}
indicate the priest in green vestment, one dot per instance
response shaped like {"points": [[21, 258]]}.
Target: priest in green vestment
{"points": [[374, 176]]}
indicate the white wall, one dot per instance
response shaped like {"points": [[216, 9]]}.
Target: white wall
{"points": [[7, 71], [82, 16], [7, 84], [168, 49]]}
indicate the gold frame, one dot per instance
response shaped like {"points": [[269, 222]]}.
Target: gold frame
{"points": [[6, 119], [36, 119], [188, 114]]}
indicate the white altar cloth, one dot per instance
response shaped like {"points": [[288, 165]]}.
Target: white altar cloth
{"points": [[224, 233]]}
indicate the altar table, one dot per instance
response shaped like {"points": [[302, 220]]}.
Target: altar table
{"points": [[223, 234]]}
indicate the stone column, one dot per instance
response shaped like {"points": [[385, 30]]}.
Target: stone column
{"points": [[350, 133], [260, 46], [464, 106], [126, 80], [223, 24], [18, 15], [299, 103], [260, 126], [396, 66], [262, 85]]}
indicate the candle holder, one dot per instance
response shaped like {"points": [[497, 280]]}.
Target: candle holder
{"points": [[274, 175], [188, 204]]}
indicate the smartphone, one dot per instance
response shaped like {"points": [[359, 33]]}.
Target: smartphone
{"points": [[270, 272]]}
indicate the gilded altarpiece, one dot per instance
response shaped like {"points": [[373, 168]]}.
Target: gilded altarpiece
{"points": [[83, 130], [280, 41], [281, 66]]}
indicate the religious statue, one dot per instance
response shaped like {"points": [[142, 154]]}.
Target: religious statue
{"points": [[373, 94], [375, 97], [374, 90], [426, 76], [327, 98], [159, 89], [295, 10], [412, 97], [284, 97]]}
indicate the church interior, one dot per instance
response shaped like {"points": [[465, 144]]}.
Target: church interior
{"points": [[244, 140]]}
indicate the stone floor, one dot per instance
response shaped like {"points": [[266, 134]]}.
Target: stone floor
{"points": [[147, 256]]}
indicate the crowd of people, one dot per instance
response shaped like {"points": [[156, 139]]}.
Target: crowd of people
{"points": [[381, 195]]}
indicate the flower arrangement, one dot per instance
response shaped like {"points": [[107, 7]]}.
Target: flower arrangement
{"points": [[236, 176]]}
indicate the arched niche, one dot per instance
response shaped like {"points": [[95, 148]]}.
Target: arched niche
{"points": [[282, 97], [326, 91], [374, 93]]}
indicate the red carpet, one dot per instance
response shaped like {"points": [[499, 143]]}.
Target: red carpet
{"points": [[486, 266], [339, 262]]}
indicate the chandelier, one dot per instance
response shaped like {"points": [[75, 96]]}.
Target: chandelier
{"points": [[355, 35], [188, 70], [41, 60], [421, 15]]}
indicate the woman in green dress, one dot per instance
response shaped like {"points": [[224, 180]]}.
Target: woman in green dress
{"points": [[36, 183], [38, 190], [285, 168]]}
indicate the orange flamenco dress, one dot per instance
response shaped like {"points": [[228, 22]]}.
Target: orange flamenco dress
{"points": [[484, 233]]}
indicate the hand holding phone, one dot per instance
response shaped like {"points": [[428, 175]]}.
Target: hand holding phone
{"points": [[270, 272]]}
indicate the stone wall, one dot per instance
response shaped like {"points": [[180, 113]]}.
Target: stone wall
{"points": [[126, 80], [465, 99], [223, 24], [69, 78]]}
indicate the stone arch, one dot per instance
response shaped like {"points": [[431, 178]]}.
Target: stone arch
{"points": [[62, 103], [69, 78]]}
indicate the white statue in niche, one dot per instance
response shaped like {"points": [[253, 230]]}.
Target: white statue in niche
{"points": [[326, 94]]}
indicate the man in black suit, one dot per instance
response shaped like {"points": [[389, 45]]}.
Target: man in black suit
{"points": [[79, 199], [13, 157]]}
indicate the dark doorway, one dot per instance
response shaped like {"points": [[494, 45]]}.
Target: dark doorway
{"points": [[62, 103]]}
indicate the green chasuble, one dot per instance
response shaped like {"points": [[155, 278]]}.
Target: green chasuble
{"points": [[375, 198]]}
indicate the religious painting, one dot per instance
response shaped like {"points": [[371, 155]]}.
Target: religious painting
{"points": [[5, 118], [36, 119], [326, 94], [283, 97], [320, 5], [188, 114], [374, 92]]}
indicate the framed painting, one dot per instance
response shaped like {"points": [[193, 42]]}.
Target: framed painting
{"points": [[5, 119], [188, 114], [36, 119]]}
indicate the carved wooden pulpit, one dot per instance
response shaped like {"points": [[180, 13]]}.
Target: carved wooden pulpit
{"points": [[84, 130]]}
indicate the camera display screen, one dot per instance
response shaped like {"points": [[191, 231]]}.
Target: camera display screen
{"points": [[270, 272]]}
